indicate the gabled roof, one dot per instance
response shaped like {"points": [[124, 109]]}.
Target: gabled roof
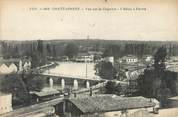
{"points": [[106, 103]]}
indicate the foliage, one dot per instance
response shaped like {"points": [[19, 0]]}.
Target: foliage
{"points": [[105, 70], [13, 84], [20, 86], [158, 82], [55, 48], [71, 50], [113, 88], [159, 58], [36, 84], [112, 50], [153, 83]]}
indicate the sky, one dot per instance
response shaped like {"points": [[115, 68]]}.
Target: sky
{"points": [[51, 19]]}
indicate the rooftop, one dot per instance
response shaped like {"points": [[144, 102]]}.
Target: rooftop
{"points": [[45, 93], [4, 94], [129, 57], [106, 103]]}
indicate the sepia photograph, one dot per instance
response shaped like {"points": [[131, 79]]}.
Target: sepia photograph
{"points": [[88, 58]]}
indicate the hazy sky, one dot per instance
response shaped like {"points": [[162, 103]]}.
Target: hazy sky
{"points": [[27, 20]]}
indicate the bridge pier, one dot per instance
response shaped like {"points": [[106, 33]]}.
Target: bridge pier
{"points": [[51, 83], [62, 84], [87, 84], [75, 84]]}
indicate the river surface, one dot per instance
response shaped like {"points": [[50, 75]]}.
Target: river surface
{"points": [[74, 69]]}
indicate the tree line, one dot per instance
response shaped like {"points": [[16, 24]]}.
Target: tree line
{"points": [[43, 49]]}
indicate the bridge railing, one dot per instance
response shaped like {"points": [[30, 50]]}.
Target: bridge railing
{"points": [[71, 76]]}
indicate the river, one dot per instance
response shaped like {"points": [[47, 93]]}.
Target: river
{"points": [[74, 69]]}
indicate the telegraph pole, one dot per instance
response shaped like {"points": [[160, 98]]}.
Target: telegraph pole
{"points": [[85, 59]]}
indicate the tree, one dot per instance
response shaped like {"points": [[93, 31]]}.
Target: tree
{"points": [[113, 88], [36, 83], [157, 81], [71, 50], [20, 85], [105, 70], [110, 87], [40, 46], [48, 48], [159, 59], [54, 50], [14, 84], [38, 58], [112, 50]]}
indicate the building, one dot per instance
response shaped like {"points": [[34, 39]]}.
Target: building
{"points": [[8, 66], [129, 59], [45, 95], [109, 59], [173, 59], [13, 68], [148, 58], [103, 106], [5, 103], [97, 55], [84, 57], [4, 69]]}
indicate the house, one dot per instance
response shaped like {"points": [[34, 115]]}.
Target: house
{"points": [[4, 69], [102, 105], [84, 57], [173, 58], [8, 66], [129, 59], [148, 58], [5, 103], [97, 55], [109, 59], [13, 68], [24, 64]]}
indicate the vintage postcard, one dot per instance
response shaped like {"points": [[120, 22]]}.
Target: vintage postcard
{"points": [[88, 58]]}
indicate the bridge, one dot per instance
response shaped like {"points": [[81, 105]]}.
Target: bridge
{"points": [[76, 82]]}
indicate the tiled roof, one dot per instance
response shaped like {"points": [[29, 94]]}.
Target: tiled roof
{"points": [[106, 103]]}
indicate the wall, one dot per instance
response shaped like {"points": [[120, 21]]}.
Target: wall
{"points": [[5, 103]]}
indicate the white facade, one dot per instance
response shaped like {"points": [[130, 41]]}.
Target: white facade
{"points": [[110, 59], [13, 68], [130, 59], [4, 69], [27, 66], [20, 66], [85, 58], [148, 58], [5, 103]]}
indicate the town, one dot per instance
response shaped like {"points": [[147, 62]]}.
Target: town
{"points": [[88, 78]]}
